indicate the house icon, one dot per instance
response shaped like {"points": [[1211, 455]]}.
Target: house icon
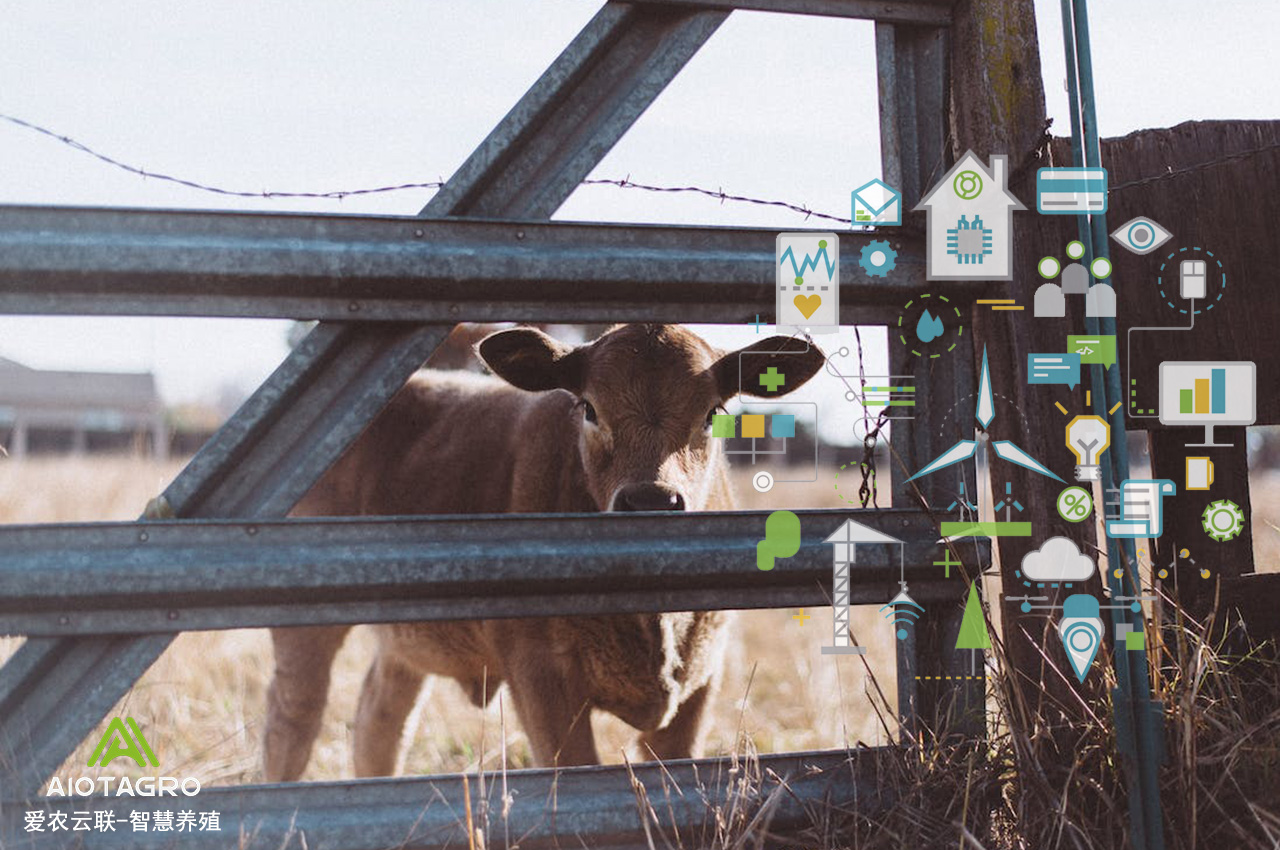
{"points": [[970, 228]]}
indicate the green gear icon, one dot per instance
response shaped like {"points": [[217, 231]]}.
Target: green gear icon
{"points": [[1222, 520]]}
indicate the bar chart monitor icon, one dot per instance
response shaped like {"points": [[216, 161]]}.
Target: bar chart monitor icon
{"points": [[1208, 393]]}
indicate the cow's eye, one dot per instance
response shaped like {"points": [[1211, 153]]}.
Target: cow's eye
{"points": [[588, 412], [711, 415]]}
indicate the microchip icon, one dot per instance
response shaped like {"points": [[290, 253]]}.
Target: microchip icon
{"points": [[969, 241]]}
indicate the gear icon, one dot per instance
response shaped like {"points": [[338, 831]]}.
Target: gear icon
{"points": [[878, 259], [1222, 520]]}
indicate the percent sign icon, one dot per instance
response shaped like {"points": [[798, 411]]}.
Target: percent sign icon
{"points": [[1074, 504]]}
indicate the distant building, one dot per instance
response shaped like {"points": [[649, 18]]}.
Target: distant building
{"points": [[77, 412]]}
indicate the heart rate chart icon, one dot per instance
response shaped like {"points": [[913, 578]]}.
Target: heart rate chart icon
{"points": [[807, 282], [807, 304]]}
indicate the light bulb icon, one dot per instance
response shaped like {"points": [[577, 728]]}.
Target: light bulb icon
{"points": [[1087, 438]]}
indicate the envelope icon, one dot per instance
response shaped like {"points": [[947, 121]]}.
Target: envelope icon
{"points": [[877, 203]]}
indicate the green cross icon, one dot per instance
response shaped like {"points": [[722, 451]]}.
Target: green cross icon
{"points": [[948, 563], [772, 380]]}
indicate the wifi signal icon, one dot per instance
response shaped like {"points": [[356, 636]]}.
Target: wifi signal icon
{"points": [[900, 611]]}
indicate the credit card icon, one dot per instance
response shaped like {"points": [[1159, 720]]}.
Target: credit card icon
{"points": [[1071, 191]]}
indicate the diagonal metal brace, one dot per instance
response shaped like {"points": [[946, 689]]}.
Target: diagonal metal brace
{"points": [[54, 691]]}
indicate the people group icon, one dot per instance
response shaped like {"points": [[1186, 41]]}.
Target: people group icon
{"points": [[1051, 298]]}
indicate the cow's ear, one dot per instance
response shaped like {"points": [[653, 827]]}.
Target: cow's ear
{"points": [[769, 368], [529, 359]]}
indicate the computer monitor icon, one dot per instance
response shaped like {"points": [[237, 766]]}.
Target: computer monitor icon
{"points": [[1208, 393]]}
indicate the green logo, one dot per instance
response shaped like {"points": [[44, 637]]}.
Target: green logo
{"points": [[781, 539], [120, 740], [1093, 349], [1074, 504], [968, 185]]}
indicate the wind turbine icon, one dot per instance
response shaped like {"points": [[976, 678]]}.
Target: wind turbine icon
{"points": [[965, 449]]}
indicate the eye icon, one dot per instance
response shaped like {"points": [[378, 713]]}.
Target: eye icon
{"points": [[1141, 235]]}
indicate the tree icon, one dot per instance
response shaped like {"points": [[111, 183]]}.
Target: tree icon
{"points": [[973, 628]]}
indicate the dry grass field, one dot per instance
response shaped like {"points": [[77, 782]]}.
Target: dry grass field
{"points": [[202, 704], [201, 707]]}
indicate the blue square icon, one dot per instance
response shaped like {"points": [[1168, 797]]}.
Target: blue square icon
{"points": [[782, 426]]}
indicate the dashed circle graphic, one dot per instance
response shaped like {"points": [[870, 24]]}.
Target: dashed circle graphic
{"points": [[902, 334], [1173, 284]]}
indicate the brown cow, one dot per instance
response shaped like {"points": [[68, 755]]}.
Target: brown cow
{"points": [[620, 424]]}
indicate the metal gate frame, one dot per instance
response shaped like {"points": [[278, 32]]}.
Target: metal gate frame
{"points": [[387, 291]]}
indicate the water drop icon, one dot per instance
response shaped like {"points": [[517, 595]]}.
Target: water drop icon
{"points": [[929, 327]]}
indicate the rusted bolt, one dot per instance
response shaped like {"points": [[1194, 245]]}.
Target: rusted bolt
{"points": [[62, 621], [353, 307], [251, 530], [143, 537], [453, 308], [519, 234]]}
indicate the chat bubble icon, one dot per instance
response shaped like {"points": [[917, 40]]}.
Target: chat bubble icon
{"points": [[781, 539], [1056, 368], [1093, 349]]}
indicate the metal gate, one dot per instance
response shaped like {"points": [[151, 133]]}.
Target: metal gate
{"points": [[387, 290]]}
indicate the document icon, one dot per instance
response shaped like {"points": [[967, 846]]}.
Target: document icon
{"points": [[1141, 507], [877, 203]]}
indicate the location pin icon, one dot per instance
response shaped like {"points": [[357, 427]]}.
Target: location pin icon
{"points": [[1081, 631]]}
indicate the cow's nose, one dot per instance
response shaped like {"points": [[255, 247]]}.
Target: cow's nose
{"points": [[647, 497]]}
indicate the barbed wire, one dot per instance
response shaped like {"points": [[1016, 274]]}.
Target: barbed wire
{"points": [[720, 195], [1032, 156], [339, 194], [204, 187]]}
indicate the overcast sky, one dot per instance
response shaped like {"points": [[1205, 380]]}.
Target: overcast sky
{"points": [[333, 95]]}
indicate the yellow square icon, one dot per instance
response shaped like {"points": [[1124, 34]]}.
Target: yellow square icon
{"points": [[753, 425]]}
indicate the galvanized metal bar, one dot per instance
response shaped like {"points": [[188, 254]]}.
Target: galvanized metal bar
{"points": [[47, 729], [912, 70], [53, 692], [694, 804], [118, 577], [894, 149], [935, 13], [73, 260], [568, 120], [302, 419], [911, 65]]}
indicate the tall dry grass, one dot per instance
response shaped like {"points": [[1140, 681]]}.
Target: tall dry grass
{"points": [[202, 703], [1042, 781]]}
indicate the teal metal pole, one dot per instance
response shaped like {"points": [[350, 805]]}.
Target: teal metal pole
{"points": [[1138, 719]]}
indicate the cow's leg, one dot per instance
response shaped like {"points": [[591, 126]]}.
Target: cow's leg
{"points": [[554, 711], [296, 698], [386, 699], [684, 736]]}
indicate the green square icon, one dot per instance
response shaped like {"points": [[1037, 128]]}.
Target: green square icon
{"points": [[1135, 640], [722, 426]]}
